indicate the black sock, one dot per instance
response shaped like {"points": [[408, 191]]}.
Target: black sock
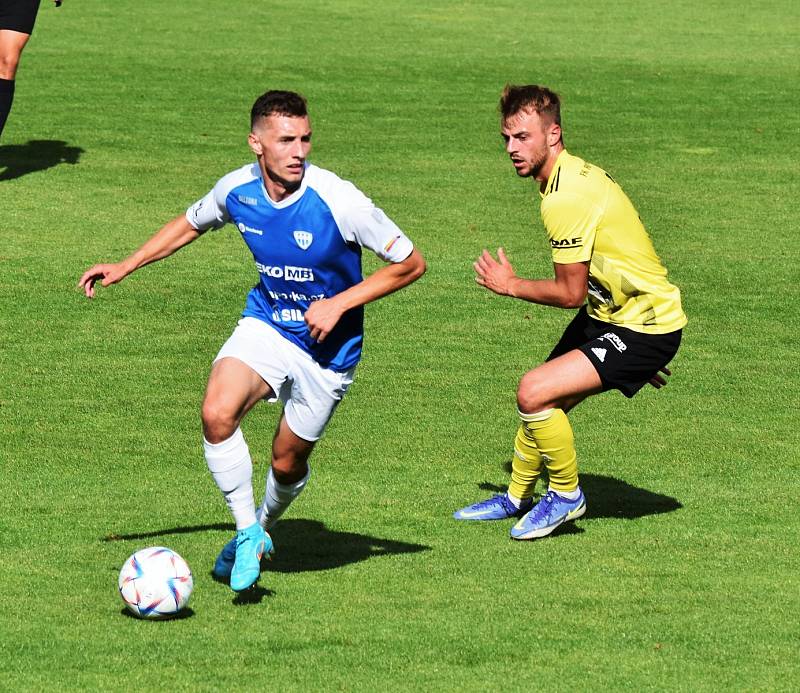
{"points": [[6, 97]]}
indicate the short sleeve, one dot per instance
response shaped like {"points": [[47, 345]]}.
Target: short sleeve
{"points": [[360, 221], [209, 212], [571, 223], [371, 228]]}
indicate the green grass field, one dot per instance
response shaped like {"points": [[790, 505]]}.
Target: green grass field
{"points": [[684, 573]]}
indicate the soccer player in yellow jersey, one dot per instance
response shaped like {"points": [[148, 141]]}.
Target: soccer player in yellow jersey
{"points": [[628, 327]]}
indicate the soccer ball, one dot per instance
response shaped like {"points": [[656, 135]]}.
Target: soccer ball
{"points": [[155, 583]]}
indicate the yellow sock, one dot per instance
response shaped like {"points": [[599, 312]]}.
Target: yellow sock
{"points": [[556, 444], [526, 465]]}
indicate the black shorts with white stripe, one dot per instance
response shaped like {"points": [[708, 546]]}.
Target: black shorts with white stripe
{"points": [[625, 360]]}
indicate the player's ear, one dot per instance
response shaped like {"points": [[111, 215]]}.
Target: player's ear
{"points": [[553, 134], [255, 145]]}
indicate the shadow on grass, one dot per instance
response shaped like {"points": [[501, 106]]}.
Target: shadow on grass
{"points": [[307, 545], [174, 530], [36, 155], [610, 497], [186, 612], [302, 545], [254, 595]]}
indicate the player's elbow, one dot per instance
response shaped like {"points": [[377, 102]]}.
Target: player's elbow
{"points": [[416, 266], [573, 299]]}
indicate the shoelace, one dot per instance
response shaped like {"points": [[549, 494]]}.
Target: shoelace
{"points": [[543, 506], [499, 498]]}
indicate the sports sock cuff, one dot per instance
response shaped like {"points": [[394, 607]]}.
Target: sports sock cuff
{"points": [[536, 416], [286, 491], [225, 446], [569, 495], [6, 86], [517, 502]]}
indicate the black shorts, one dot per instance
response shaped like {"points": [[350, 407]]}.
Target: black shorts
{"points": [[624, 359], [18, 15]]}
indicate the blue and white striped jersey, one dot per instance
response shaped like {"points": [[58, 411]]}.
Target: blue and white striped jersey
{"points": [[306, 247]]}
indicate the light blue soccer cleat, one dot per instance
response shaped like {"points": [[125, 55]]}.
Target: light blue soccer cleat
{"points": [[223, 566], [551, 511], [495, 508], [249, 545]]}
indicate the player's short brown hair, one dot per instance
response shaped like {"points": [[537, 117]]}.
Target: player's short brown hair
{"points": [[530, 97], [275, 102]]}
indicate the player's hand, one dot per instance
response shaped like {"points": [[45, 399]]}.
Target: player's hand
{"points": [[107, 274], [495, 275], [659, 380], [321, 317]]}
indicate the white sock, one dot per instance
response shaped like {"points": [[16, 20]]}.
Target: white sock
{"points": [[569, 495], [517, 502], [230, 464], [278, 497]]}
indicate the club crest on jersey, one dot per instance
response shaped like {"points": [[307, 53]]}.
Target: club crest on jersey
{"points": [[303, 239]]}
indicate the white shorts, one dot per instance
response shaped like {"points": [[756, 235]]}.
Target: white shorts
{"points": [[309, 392]]}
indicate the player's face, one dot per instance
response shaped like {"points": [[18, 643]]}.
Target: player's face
{"points": [[281, 144], [529, 142]]}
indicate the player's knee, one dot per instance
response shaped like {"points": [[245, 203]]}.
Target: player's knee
{"points": [[289, 460], [219, 423], [8, 65], [530, 394], [289, 469]]}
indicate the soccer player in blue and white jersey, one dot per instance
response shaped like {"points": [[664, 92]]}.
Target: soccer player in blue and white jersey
{"points": [[300, 335]]}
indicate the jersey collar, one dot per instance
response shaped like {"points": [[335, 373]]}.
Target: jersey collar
{"points": [[548, 186], [291, 199]]}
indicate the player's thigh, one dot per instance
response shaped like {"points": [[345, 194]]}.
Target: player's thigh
{"points": [[233, 389], [315, 394], [563, 381], [251, 365]]}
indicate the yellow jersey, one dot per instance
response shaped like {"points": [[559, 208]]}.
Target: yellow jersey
{"points": [[588, 217]]}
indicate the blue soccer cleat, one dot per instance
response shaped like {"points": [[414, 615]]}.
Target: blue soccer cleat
{"points": [[495, 508], [223, 566], [551, 511], [251, 543]]}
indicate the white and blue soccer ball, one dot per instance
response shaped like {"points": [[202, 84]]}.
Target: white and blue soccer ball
{"points": [[155, 583]]}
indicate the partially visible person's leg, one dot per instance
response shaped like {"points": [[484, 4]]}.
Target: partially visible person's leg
{"points": [[543, 395], [315, 393], [233, 389], [11, 45], [288, 474]]}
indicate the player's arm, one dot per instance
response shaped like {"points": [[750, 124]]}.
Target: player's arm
{"points": [[567, 289], [322, 316], [171, 237]]}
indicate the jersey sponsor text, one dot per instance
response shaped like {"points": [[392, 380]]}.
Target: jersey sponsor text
{"points": [[288, 272]]}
